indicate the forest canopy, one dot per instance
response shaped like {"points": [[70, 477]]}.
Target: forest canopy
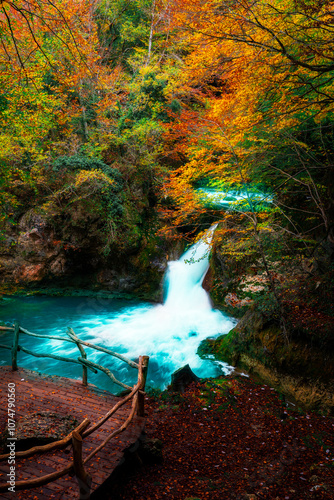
{"points": [[128, 109]]}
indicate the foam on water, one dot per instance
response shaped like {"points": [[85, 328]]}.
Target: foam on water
{"points": [[169, 333], [232, 198]]}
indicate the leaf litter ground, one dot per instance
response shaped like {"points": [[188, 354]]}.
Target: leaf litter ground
{"points": [[231, 438]]}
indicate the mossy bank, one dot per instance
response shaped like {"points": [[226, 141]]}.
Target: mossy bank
{"points": [[298, 361], [300, 369]]}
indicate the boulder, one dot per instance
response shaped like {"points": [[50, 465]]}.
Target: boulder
{"points": [[183, 377], [58, 266], [151, 451], [28, 273]]}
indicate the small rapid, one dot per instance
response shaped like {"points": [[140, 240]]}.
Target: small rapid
{"points": [[169, 333]]}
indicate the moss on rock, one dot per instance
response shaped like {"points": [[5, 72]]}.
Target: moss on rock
{"points": [[300, 369]]}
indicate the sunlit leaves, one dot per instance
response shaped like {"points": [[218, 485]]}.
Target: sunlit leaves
{"points": [[259, 76]]}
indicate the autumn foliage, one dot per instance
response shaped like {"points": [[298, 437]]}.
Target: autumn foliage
{"points": [[258, 78], [175, 95]]}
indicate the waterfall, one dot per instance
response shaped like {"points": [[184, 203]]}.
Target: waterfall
{"points": [[169, 333], [183, 283]]}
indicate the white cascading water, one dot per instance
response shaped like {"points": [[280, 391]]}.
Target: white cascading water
{"points": [[170, 333], [185, 276]]}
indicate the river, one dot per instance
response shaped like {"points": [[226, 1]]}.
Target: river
{"points": [[169, 333]]}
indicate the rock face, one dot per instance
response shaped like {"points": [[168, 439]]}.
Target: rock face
{"points": [[301, 369], [30, 254], [37, 253]]}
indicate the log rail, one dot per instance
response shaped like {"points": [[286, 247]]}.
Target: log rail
{"points": [[77, 465]]}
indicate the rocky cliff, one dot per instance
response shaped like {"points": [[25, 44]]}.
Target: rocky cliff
{"points": [[40, 252]]}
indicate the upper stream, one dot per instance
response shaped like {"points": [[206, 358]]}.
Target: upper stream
{"points": [[169, 333], [238, 200]]}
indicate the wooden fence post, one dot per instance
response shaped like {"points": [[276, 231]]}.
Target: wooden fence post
{"points": [[15, 345], [74, 337], [84, 479], [141, 393]]}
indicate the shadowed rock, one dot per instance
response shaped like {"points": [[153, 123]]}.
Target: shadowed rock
{"points": [[183, 377]]}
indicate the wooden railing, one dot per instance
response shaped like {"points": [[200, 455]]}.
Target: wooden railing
{"points": [[76, 437], [81, 360]]}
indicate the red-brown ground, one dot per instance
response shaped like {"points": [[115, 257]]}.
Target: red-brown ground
{"points": [[234, 439]]}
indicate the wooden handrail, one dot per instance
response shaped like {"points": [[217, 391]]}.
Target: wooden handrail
{"points": [[39, 481], [74, 339], [129, 419], [15, 345], [73, 336], [83, 478], [6, 347], [89, 363], [81, 431], [141, 394], [78, 435], [118, 431], [82, 342], [119, 404], [54, 356]]}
